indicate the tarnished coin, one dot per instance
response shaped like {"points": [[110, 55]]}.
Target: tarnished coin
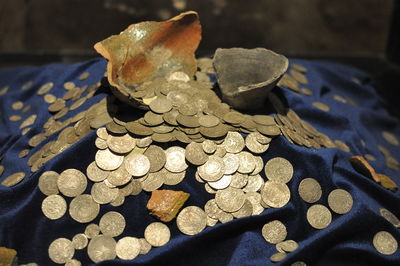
{"points": [[173, 179], [153, 181], [195, 154], [95, 174], [246, 210], [157, 234], [239, 180], [254, 183], [279, 169], [222, 183], [209, 146], [54, 207], [234, 142], [208, 121], [13, 179], [319, 216], [390, 217], [48, 183], [385, 243], [92, 230], [310, 190], [112, 224], [231, 163], [160, 105], [212, 210], [230, 199], [157, 158], [340, 201], [274, 232], [191, 220], [137, 164], [128, 248], [80, 241], [390, 138], [102, 193], [256, 201], [102, 248], [72, 262], [107, 160], [213, 169], [61, 250], [72, 182], [175, 159], [247, 163], [274, 194], [121, 144], [119, 177], [254, 145], [83, 208]]}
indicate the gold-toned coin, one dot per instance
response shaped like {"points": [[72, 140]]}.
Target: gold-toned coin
{"points": [[209, 121], [119, 177], [341, 145], [57, 105], [27, 85], [259, 165], [92, 230], [1, 170], [390, 138], [274, 194], [254, 183], [246, 210], [101, 144], [191, 220], [144, 142], [157, 234], [13, 179], [300, 77], [319, 216], [107, 160], [69, 85], [385, 243], [225, 217], [274, 232], [84, 75], [49, 98], [390, 217], [28, 121], [279, 169], [173, 179], [145, 247], [128, 248], [102, 248], [195, 154], [137, 164], [103, 194], [299, 263], [310, 190], [175, 161], [80, 241], [153, 181], [156, 156], [48, 183], [239, 180], [71, 182], [4, 90], [112, 224], [212, 210], [265, 120], [209, 146], [54, 207], [369, 157], [72, 262], [18, 105], [321, 106], [234, 142], [277, 257], [83, 208], [95, 174], [230, 199], [211, 221], [15, 118], [102, 133], [299, 67], [61, 250], [340, 201], [247, 163], [287, 246]]}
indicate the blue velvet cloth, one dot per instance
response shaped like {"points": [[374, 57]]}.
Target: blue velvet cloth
{"points": [[346, 241]]}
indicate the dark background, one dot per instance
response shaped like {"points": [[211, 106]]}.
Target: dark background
{"points": [[363, 33]]}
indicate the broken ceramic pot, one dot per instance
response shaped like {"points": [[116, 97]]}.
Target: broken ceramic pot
{"points": [[246, 76], [148, 50]]}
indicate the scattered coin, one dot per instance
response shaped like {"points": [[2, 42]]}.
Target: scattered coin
{"points": [[321, 106], [310, 190], [61, 250], [102, 248], [128, 248], [287, 246], [274, 232], [145, 247], [112, 224], [18, 105], [92, 230], [274, 194], [385, 243], [319, 216], [279, 169], [191, 220], [13, 179], [277, 257], [390, 138], [157, 234], [340, 201], [102, 193], [80, 241], [48, 183], [54, 207], [390, 217], [72, 182], [83, 208]]}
